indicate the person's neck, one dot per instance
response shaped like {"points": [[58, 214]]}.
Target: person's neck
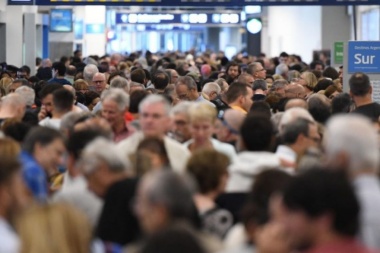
{"points": [[6, 113], [329, 237], [59, 77], [236, 104], [296, 148], [365, 100], [204, 202], [119, 127], [197, 145], [57, 115], [194, 96]]}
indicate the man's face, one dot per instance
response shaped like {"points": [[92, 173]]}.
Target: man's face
{"points": [[48, 103], [260, 73], [180, 127], [50, 156], [97, 180], [319, 67], [249, 80], [183, 93], [12, 88], [233, 71], [174, 76], [111, 112], [201, 131], [314, 139], [247, 100], [154, 120], [99, 81]]}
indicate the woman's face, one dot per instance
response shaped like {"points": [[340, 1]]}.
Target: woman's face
{"points": [[201, 131], [302, 80], [93, 103]]}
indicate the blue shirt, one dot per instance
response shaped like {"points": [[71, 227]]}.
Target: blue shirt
{"points": [[59, 81], [34, 177]]}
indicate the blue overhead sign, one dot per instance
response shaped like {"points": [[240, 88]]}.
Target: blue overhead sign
{"points": [[20, 2], [364, 56]]}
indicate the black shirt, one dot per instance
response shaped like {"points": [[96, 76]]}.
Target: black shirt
{"points": [[371, 111]]}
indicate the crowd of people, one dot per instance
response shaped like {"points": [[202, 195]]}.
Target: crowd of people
{"points": [[189, 152]]}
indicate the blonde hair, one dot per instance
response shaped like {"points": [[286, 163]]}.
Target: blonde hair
{"points": [[80, 84], [202, 111], [5, 82], [311, 79], [54, 228]]}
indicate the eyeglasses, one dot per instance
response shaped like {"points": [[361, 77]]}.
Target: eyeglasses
{"points": [[260, 70], [225, 123], [100, 81]]}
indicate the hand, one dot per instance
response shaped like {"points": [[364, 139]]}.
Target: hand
{"points": [[42, 114]]}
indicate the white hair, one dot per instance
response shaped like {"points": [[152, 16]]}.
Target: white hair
{"points": [[211, 87], [89, 71], [105, 151], [119, 96], [13, 100], [27, 93], [155, 99], [120, 82], [293, 114], [182, 107], [355, 136], [282, 68]]}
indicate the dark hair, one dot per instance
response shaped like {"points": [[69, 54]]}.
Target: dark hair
{"points": [[154, 145], [317, 73], [60, 67], [284, 54], [341, 103], [135, 99], [138, 75], [359, 84], [64, 59], [23, 82], [323, 85], [77, 141], [233, 64], [257, 133], [236, 90], [63, 100], [16, 130], [49, 89], [160, 80], [90, 96], [26, 69], [331, 72], [292, 130], [41, 135], [115, 74], [320, 191], [261, 107], [207, 168], [147, 74], [259, 85], [267, 183], [319, 109], [9, 164], [314, 64], [71, 70]]}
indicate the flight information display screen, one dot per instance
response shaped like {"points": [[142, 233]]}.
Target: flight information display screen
{"points": [[192, 3]]}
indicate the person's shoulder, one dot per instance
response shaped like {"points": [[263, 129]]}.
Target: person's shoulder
{"points": [[131, 142]]}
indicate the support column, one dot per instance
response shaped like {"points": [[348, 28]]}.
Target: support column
{"points": [[14, 35], [30, 41]]}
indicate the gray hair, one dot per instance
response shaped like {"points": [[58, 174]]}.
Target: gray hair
{"points": [[89, 71], [260, 85], [69, 120], [253, 67], [120, 82], [13, 100], [27, 93], [181, 108], [105, 151], [279, 84], [355, 136], [155, 99], [119, 96], [281, 69], [220, 82], [292, 114], [187, 81], [171, 190], [211, 87]]}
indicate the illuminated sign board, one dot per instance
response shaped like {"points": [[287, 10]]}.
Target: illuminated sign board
{"points": [[20, 2], [177, 18], [211, 3]]}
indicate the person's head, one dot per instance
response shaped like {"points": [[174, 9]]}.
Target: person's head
{"points": [[28, 94], [246, 79], [71, 70], [89, 71], [54, 228], [341, 103], [180, 121], [282, 69], [308, 80], [331, 73], [293, 114], [12, 189], [115, 103], [209, 170], [99, 82], [332, 91], [46, 96], [24, 72], [121, 83], [319, 107], [319, 203], [301, 134], [228, 125], [138, 75], [323, 84], [91, 99], [163, 197], [257, 70], [12, 106], [151, 154], [295, 91], [223, 85], [279, 87], [202, 122], [154, 115], [160, 80], [46, 145], [340, 134], [81, 85], [173, 76], [63, 101], [212, 90], [256, 134], [317, 66], [233, 70], [58, 69], [260, 87], [17, 84], [102, 164], [241, 95], [360, 85], [186, 89], [296, 102]]}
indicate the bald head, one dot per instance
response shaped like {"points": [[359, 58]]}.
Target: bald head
{"points": [[234, 118], [295, 91], [296, 102], [12, 106]]}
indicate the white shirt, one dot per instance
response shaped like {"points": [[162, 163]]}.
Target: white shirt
{"points": [[9, 241], [52, 123], [285, 153]]}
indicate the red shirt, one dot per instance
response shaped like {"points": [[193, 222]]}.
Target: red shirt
{"points": [[342, 246]]}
